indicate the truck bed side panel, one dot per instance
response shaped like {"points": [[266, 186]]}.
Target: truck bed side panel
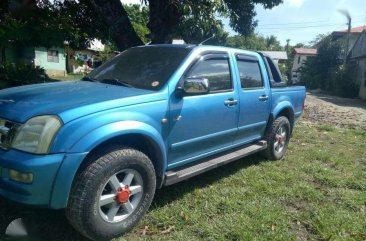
{"points": [[292, 97]]}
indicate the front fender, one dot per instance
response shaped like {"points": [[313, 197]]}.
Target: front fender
{"points": [[117, 129], [79, 150], [109, 131]]}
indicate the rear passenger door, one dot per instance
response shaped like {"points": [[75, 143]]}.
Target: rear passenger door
{"points": [[254, 96]]}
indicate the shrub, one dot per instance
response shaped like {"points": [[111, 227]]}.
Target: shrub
{"points": [[15, 75], [327, 72], [345, 81]]}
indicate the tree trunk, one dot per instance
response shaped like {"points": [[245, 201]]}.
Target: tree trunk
{"points": [[2, 54], [120, 27], [164, 18]]}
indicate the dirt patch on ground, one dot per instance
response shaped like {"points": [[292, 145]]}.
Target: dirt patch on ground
{"points": [[337, 111]]}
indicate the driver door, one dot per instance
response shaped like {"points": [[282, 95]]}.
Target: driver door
{"points": [[203, 124]]}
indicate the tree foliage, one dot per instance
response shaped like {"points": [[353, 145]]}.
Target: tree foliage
{"points": [[139, 16], [327, 72], [192, 20], [255, 42], [50, 22], [33, 23]]}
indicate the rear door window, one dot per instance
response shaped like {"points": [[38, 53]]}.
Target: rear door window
{"points": [[250, 73]]}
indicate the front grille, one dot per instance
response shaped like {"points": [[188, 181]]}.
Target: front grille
{"points": [[7, 132]]}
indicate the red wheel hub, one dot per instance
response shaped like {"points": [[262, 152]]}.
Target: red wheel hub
{"points": [[123, 195]]}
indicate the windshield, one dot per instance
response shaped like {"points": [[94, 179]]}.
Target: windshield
{"points": [[144, 67]]}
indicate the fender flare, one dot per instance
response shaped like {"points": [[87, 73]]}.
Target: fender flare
{"points": [[281, 106], [80, 149]]}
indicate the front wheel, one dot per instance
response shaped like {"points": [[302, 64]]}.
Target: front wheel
{"points": [[112, 194], [277, 137]]}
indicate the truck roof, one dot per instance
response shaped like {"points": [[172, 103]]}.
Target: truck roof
{"points": [[193, 46]]}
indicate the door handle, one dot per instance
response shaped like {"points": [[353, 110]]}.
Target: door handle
{"points": [[263, 98], [231, 102]]}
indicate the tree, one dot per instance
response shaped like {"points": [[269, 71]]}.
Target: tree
{"points": [[23, 22], [318, 72], [80, 21], [327, 71], [255, 42], [32, 23], [170, 18], [199, 24], [139, 16]]}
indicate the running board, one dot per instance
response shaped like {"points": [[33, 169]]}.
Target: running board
{"points": [[174, 176]]}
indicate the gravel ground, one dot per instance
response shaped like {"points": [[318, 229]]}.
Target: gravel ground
{"points": [[336, 111]]}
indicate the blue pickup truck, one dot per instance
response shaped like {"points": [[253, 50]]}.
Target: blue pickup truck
{"points": [[150, 117]]}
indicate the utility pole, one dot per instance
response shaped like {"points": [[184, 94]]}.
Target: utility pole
{"points": [[348, 16], [288, 45], [288, 62]]}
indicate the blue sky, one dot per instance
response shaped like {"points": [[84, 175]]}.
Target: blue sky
{"points": [[302, 20]]}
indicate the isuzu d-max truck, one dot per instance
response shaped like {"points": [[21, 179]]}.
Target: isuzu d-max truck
{"points": [[150, 117]]}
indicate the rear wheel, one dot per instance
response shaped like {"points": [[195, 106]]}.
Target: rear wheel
{"points": [[112, 194], [277, 137]]}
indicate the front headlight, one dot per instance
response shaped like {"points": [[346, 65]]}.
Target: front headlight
{"points": [[37, 134]]}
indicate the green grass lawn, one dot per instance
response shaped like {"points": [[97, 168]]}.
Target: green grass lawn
{"points": [[317, 192]]}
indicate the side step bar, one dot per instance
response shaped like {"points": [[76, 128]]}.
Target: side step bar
{"points": [[174, 176]]}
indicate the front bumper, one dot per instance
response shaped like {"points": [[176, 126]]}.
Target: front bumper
{"points": [[52, 177]]}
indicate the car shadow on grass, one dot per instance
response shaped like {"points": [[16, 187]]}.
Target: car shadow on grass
{"points": [[46, 225]]}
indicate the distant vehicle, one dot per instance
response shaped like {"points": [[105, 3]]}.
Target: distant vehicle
{"points": [[150, 117]]}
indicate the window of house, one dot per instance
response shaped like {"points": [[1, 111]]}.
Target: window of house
{"points": [[250, 74], [217, 71], [52, 56], [299, 60]]}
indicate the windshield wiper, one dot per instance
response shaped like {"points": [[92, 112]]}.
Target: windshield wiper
{"points": [[116, 82], [89, 79]]}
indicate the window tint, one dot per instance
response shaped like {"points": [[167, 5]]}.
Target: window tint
{"points": [[142, 67], [250, 74], [217, 71]]}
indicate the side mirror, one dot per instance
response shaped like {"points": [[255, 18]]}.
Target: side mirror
{"points": [[193, 86]]}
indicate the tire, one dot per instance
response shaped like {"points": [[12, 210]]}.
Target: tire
{"points": [[277, 143], [111, 195]]}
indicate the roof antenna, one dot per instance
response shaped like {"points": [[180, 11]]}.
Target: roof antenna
{"points": [[204, 41]]}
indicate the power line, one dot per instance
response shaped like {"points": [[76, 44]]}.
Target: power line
{"points": [[311, 22], [304, 27], [272, 24]]}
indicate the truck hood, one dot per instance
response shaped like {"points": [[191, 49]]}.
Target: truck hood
{"points": [[69, 100]]}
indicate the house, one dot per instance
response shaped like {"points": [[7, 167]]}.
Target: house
{"points": [[77, 60], [300, 56], [358, 56], [56, 61], [276, 55], [343, 36], [53, 60]]}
